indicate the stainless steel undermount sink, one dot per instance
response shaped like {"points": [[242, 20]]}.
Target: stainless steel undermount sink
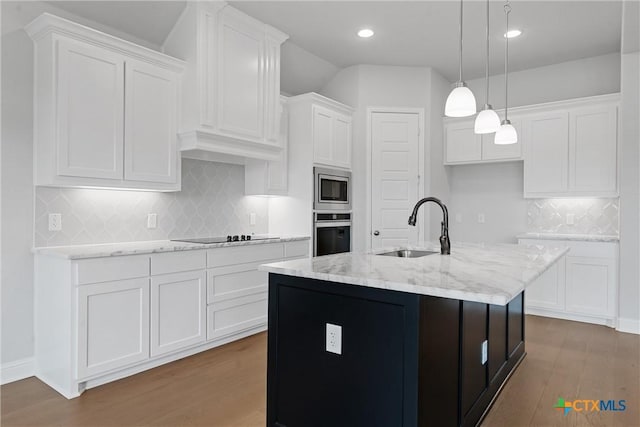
{"points": [[408, 253]]}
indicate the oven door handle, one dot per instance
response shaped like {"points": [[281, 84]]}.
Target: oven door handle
{"points": [[327, 224]]}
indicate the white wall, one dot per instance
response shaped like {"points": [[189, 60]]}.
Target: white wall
{"points": [[498, 188], [629, 308], [17, 185], [573, 79], [364, 86], [302, 71]]}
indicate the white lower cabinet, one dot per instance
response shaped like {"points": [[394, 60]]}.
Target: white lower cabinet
{"points": [[582, 286], [547, 291], [178, 305], [113, 325], [101, 319], [591, 286]]}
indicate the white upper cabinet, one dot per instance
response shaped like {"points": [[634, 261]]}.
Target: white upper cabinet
{"points": [[231, 93], [593, 149], [464, 146], [90, 106], [569, 148], [327, 124], [545, 166], [572, 150], [151, 151], [105, 110]]}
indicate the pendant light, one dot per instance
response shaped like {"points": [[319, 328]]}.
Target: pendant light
{"points": [[507, 133], [487, 120], [461, 102]]}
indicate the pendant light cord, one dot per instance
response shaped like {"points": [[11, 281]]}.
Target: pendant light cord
{"points": [[460, 50], [486, 98], [507, 10]]}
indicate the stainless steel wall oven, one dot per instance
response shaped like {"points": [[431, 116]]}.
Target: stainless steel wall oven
{"points": [[331, 233]]}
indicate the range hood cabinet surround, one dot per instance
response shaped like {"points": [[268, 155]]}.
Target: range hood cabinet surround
{"points": [[230, 110]]}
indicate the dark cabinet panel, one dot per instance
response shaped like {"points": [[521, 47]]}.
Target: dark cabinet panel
{"points": [[497, 339], [361, 387], [474, 372], [515, 325], [439, 356]]}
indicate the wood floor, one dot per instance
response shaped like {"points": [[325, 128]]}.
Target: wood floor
{"points": [[226, 386]]}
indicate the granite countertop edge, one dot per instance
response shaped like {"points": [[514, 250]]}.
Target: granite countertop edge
{"points": [[490, 295], [146, 247]]}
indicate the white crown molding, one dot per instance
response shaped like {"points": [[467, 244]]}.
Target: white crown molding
{"points": [[323, 100], [47, 23]]}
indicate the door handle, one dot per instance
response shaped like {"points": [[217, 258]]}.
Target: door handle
{"points": [[376, 233]]}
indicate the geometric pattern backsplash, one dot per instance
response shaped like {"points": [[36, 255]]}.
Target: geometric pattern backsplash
{"points": [[211, 203], [591, 216]]}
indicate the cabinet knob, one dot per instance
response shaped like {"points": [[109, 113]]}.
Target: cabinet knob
{"points": [[376, 233]]}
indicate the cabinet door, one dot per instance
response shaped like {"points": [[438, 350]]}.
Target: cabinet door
{"points": [[462, 144], [90, 111], [241, 76], [113, 325], [548, 290], [341, 143], [591, 288], [236, 315], [322, 135], [491, 151], [546, 139], [178, 305], [593, 150], [150, 123]]}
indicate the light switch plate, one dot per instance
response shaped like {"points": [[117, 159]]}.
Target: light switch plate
{"points": [[334, 338], [570, 219], [252, 218], [480, 218], [152, 220], [55, 222]]}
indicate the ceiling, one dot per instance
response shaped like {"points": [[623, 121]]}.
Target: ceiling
{"points": [[425, 33], [408, 33]]}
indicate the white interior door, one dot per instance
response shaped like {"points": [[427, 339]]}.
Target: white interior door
{"points": [[395, 178]]}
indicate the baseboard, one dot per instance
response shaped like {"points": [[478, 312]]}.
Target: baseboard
{"points": [[610, 322], [17, 370], [631, 326]]}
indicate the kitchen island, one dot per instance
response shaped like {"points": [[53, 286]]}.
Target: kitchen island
{"points": [[363, 339]]}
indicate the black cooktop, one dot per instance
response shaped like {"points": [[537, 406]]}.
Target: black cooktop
{"points": [[221, 239]]}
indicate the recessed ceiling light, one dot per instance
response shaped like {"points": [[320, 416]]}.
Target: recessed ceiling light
{"points": [[512, 33], [365, 33]]}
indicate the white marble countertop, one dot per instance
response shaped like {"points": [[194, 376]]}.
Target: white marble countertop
{"points": [[493, 274], [572, 237], [145, 247]]}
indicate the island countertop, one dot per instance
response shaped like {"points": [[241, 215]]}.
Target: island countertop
{"points": [[491, 274]]}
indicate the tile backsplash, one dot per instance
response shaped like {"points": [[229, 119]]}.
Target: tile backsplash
{"points": [[590, 216], [211, 203]]}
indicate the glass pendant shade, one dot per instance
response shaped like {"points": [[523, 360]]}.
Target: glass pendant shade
{"points": [[487, 121], [506, 134], [461, 102]]}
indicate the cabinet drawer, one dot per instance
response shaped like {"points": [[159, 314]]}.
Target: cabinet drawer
{"points": [[296, 249], [235, 281], [219, 257], [237, 315], [173, 262], [98, 270]]}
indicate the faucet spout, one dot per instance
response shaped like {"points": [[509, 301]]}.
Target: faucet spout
{"points": [[445, 244]]}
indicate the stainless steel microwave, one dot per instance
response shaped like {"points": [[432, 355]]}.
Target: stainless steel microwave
{"points": [[332, 189]]}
